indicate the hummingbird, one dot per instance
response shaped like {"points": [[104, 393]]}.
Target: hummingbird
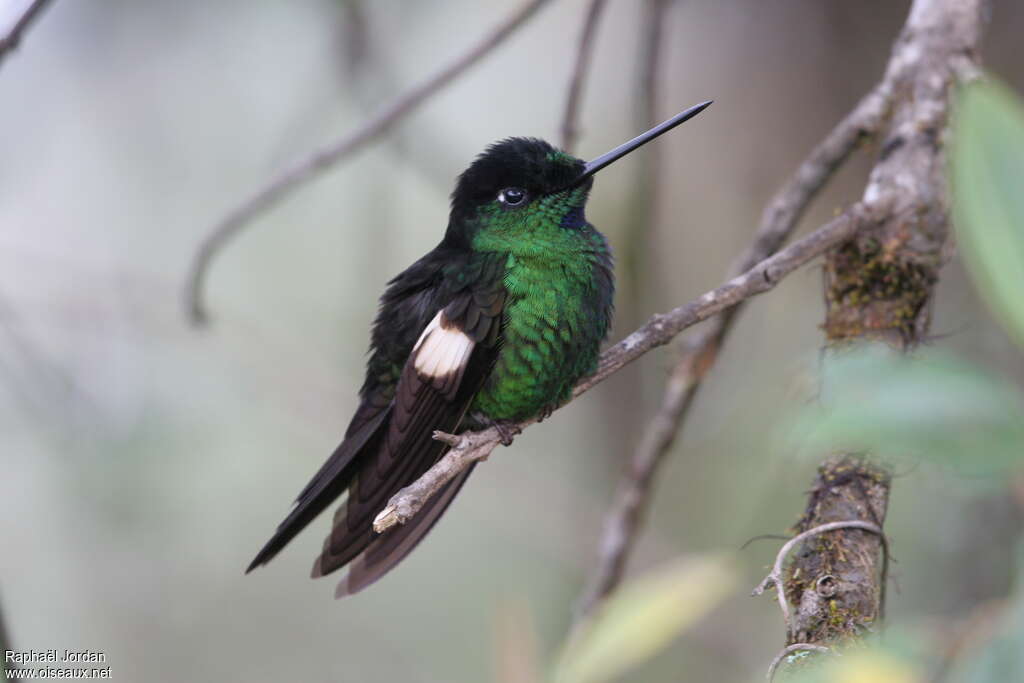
{"points": [[493, 326]]}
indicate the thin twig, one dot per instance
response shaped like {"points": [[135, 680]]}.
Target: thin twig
{"points": [[763, 537], [5, 644], [790, 649], [13, 37], [355, 36], [570, 119], [42, 383], [331, 154], [652, 48], [778, 221], [774, 577], [658, 331], [632, 270]]}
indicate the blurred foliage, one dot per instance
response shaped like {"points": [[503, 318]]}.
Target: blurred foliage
{"points": [[1001, 658], [987, 165], [936, 406], [870, 666], [929, 405], [644, 616], [932, 405], [994, 655]]}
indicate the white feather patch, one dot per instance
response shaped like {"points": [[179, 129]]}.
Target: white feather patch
{"points": [[442, 350]]}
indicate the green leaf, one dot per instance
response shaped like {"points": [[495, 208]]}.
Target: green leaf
{"points": [[644, 616], [987, 165], [1002, 656], [874, 665], [925, 405]]}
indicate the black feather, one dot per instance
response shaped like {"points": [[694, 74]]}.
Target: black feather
{"points": [[389, 442]]}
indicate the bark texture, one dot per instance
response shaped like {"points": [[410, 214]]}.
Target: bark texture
{"points": [[880, 285], [836, 579]]}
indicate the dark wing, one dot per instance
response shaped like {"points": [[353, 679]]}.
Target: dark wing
{"points": [[389, 442], [327, 484], [445, 370], [402, 316]]}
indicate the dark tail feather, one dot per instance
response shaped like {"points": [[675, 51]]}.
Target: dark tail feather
{"points": [[296, 521], [405, 452], [396, 464], [391, 547], [326, 485]]}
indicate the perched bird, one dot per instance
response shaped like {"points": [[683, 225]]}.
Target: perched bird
{"points": [[495, 325]]}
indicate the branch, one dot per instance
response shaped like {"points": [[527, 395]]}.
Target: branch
{"points": [[659, 330], [879, 287], [823, 585], [570, 119], [10, 41], [791, 649], [305, 170], [633, 275], [834, 580], [779, 219], [355, 35], [5, 644]]}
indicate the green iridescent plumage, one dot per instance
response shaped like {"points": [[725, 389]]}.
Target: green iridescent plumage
{"points": [[496, 324], [558, 278]]}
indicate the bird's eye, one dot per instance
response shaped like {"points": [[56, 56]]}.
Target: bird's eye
{"points": [[512, 196]]}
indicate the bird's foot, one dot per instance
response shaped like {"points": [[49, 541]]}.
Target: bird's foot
{"points": [[507, 430], [546, 411]]}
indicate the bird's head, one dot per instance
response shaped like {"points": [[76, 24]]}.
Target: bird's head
{"points": [[525, 193], [517, 186]]}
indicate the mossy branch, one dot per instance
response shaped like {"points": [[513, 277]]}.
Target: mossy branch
{"points": [[778, 222], [833, 593], [880, 287]]}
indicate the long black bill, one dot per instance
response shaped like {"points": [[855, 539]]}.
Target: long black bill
{"points": [[625, 148]]}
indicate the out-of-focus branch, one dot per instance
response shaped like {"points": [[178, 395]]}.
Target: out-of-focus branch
{"points": [[355, 35], [5, 643], [659, 330], [651, 49], [42, 385], [305, 170], [10, 41], [632, 271], [834, 580], [570, 119], [779, 219], [879, 287], [824, 586], [793, 649]]}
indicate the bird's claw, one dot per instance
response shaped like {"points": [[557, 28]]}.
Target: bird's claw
{"points": [[506, 431]]}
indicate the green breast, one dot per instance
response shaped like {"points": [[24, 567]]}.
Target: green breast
{"points": [[557, 313]]}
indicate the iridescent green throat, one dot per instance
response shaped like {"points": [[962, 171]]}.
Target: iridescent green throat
{"points": [[558, 309]]}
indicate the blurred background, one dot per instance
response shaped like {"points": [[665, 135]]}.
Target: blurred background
{"points": [[143, 461]]}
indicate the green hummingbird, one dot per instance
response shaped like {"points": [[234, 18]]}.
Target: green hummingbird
{"points": [[495, 325]]}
